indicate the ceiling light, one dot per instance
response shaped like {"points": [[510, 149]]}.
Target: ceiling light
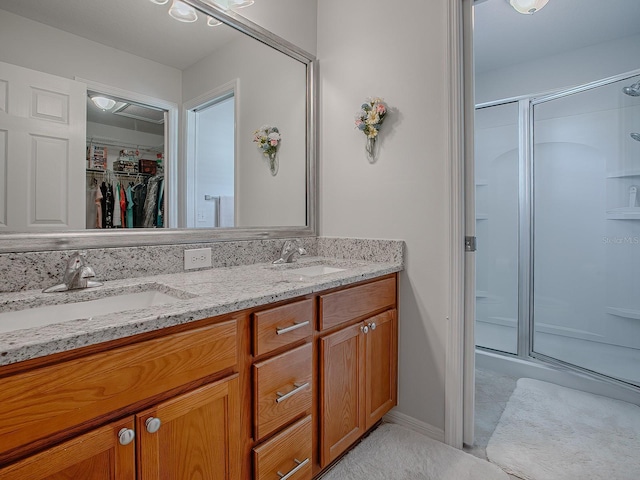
{"points": [[240, 3], [160, 2], [528, 7], [103, 103], [183, 12], [213, 22]]}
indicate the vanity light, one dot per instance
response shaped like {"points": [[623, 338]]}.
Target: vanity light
{"points": [[240, 3], [103, 103], [183, 12], [213, 22], [528, 7]]}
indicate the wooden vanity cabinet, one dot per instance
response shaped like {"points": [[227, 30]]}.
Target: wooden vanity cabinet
{"points": [[358, 368]]}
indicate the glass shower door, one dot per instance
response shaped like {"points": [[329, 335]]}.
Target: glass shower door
{"points": [[586, 224], [497, 167]]}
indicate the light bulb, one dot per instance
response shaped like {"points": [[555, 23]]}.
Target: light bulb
{"points": [[183, 12]]}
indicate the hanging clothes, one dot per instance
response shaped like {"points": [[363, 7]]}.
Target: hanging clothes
{"points": [[130, 204], [123, 206], [91, 211], [160, 216], [117, 218], [103, 204], [139, 197], [99, 201], [109, 202], [151, 202]]}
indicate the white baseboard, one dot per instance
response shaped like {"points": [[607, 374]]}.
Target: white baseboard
{"points": [[414, 424]]}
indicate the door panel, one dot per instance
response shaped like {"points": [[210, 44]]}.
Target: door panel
{"points": [[198, 438], [96, 455], [43, 125]]}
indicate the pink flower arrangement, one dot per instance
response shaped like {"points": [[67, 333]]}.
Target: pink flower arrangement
{"points": [[268, 140], [370, 117]]}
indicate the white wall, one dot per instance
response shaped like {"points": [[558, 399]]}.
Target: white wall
{"points": [[395, 50], [40, 47], [559, 71], [293, 20], [272, 91]]}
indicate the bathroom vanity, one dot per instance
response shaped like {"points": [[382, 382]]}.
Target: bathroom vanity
{"points": [[265, 374]]}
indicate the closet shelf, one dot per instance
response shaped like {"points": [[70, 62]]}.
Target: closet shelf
{"points": [[623, 312], [124, 174], [624, 213]]}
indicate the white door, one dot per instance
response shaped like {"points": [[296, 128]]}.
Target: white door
{"points": [[42, 151]]}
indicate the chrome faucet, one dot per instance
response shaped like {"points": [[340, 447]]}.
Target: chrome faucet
{"points": [[289, 249], [76, 275]]}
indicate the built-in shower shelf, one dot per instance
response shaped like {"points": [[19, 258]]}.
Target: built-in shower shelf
{"points": [[623, 312], [624, 213], [481, 183], [635, 172], [481, 294], [482, 216]]}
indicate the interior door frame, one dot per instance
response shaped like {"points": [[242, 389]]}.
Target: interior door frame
{"points": [[460, 351]]}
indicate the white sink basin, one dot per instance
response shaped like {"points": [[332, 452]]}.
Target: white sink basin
{"points": [[50, 314], [315, 270]]}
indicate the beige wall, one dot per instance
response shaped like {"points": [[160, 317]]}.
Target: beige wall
{"points": [[395, 50]]}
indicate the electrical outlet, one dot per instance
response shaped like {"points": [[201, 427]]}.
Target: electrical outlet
{"points": [[197, 258]]}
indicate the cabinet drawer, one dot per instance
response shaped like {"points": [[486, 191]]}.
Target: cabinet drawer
{"points": [[47, 400], [288, 453], [282, 389], [355, 302], [281, 326]]}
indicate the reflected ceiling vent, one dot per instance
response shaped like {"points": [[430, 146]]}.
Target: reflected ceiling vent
{"points": [[138, 112]]}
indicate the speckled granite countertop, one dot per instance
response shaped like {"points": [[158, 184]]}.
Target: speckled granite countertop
{"points": [[202, 294]]}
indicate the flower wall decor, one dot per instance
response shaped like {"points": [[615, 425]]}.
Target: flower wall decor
{"points": [[268, 140], [369, 121]]}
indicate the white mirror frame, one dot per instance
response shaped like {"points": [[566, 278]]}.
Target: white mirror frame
{"points": [[30, 242]]}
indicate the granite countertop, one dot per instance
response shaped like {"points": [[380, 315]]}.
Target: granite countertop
{"points": [[201, 294]]}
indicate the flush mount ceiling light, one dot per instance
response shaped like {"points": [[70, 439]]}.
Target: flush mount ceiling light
{"points": [[213, 22], [183, 12], [528, 7], [103, 103]]}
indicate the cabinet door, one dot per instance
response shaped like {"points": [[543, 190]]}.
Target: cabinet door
{"points": [[97, 455], [198, 435], [381, 365], [342, 391]]}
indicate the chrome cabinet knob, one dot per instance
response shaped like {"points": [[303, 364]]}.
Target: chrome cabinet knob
{"points": [[153, 424], [126, 436], [364, 329], [372, 325]]}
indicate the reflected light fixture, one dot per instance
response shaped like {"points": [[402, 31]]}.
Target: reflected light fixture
{"points": [[528, 7], [103, 103], [183, 12], [213, 22], [159, 2]]}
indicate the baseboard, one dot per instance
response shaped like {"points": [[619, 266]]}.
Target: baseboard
{"points": [[415, 425]]}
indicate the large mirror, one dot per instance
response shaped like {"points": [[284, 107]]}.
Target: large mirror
{"points": [[180, 105]]}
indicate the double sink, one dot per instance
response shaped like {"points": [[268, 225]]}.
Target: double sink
{"points": [[25, 316]]}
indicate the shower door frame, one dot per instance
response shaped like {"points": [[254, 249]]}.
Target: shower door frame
{"points": [[526, 224]]}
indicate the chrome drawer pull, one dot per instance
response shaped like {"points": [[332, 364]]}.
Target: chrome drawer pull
{"points": [[299, 465], [295, 326], [283, 396]]}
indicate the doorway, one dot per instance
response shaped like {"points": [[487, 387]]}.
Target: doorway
{"points": [[211, 165]]}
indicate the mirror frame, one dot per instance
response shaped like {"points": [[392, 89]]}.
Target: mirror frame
{"points": [[78, 240]]}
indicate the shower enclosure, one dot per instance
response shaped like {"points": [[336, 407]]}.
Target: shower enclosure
{"points": [[558, 227]]}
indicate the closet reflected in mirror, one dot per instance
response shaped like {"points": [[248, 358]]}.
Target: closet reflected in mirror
{"points": [[125, 185]]}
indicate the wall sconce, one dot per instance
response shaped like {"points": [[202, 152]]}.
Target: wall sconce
{"points": [[103, 103], [528, 7]]}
